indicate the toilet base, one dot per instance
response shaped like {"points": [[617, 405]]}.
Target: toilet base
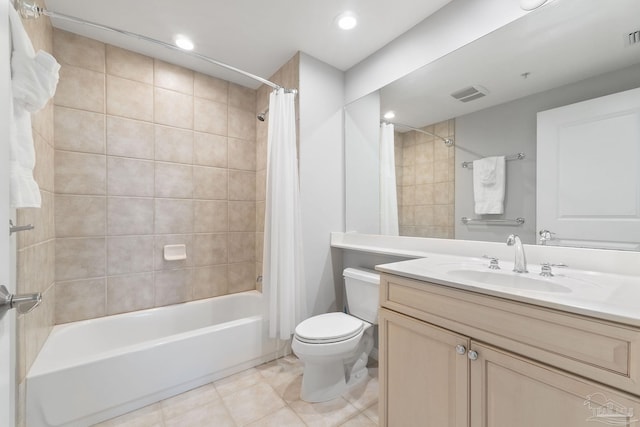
{"points": [[323, 381]]}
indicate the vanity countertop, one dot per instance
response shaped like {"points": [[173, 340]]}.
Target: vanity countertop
{"points": [[607, 296]]}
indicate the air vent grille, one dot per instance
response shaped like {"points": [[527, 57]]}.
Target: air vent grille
{"points": [[469, 93], [634, 37]]}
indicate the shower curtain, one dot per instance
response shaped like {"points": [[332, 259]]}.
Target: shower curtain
{"points": [[388, 196], [283, 278]]}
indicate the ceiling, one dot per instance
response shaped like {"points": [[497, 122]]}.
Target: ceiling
{"points": [[562, 42], [255, 36]]}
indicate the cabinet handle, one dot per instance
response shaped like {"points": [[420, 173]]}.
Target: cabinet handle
{"points": [[473, 355], [460, 349]]}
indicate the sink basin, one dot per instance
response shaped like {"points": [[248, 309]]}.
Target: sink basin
{"points": [[510, 280]]}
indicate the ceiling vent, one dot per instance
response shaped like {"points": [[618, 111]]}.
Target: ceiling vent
{"points": [[470, 93], [634, 38]]}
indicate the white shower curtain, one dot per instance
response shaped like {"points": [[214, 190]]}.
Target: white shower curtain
{"points": [[282, 272], [388, 196]]}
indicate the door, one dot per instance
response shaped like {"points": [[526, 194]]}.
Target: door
{"points": [[7, 323], [508, 391], [424, 381], [588, 174]]}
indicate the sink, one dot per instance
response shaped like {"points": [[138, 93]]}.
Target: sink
{"points": [[510, 280]]}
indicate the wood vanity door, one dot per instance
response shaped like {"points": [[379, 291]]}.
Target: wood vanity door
{"points": [[508, 391], [423, 381]]}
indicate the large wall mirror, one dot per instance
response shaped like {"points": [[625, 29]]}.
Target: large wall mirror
{"points": [[563, 53]]}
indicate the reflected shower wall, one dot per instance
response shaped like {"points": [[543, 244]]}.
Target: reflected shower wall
{"points": [[425, 176], [147, 154]]}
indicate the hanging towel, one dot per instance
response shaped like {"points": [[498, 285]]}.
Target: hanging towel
{"points": [[489, 185], [34, 77]]}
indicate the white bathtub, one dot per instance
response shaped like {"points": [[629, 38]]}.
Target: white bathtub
{"points": [[93, 370]]}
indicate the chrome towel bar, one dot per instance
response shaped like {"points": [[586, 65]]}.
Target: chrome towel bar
{"points": [[517, 156], [517, 221]]}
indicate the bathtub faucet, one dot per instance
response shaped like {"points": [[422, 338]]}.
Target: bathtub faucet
{"points": [[520, 261]]}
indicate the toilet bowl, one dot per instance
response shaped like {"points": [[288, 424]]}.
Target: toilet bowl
{"points": [[335, 347]]}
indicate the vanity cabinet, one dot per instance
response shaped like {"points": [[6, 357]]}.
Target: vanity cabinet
{"points": [[451, 357]]}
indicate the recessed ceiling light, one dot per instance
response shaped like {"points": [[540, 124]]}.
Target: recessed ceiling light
{"points": [[347, 21], [389, 115], [184, 43]]}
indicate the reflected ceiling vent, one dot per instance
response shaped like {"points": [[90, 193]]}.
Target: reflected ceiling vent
{"points": [[634, 38], [470, 93]]}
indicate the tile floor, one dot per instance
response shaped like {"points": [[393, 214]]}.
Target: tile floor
{"points": [[264, 396]]}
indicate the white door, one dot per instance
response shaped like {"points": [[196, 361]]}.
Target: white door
{"points": [[588, 173], [7, 323]]}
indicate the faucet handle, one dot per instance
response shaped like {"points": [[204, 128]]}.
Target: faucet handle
{"points": [[494, 262], [545, 269], [545, 236]]}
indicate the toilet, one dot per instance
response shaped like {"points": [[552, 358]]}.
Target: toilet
{"points": [[335, 347]]}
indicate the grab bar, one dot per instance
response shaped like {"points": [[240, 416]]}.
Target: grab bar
{"points": [[517, 221], [16, 228], [517, 156]]}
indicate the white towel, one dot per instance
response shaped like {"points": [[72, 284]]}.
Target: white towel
{"points": [[34, 77], [489, 185]]}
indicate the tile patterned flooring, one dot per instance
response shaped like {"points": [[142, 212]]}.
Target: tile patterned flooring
{"points": [[264, 396]]}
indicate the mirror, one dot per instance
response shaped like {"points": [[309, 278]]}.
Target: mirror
{"points": [[565, 52]]}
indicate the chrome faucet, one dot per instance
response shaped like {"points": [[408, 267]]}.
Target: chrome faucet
{"points": [[520, 262]]}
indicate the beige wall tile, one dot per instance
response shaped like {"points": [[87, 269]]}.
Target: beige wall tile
{"points": [[211, 88], [174, 77], [129, 138], [408, 175], [210, 216], [441, 193], [242, 124], [259, 247], [42, 218], [210, 249], [210, 116], [174, 180], [242, 185], [129, 216], [242, 247], [210, 281], [242, 154], [130, 99], [424, 173], [78, 130], [173, 216], [44, 172], [129, 65], [129, 254], [172, 239], [424, 195], [42, 121], [130, 293], [79, 173], [260, 216], [173, 144], [79, 300], [261, 185], [172, 286], [210, 183], [424, 152], [80, 258], [80, 216], [130, 177], [173, 108], [424, 215], [79, 51], [242, 216], [242, 277], [80, 88], [242, 97], [209, 150]]}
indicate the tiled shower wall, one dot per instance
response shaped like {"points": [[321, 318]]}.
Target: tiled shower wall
{"points": [[425, 174], [36, 248], [148, 154]]}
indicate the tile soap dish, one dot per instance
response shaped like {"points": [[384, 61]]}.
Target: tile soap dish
{"points": [[175, 252]]}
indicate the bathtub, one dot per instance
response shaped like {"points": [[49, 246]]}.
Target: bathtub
{"points": [[93, 370]]}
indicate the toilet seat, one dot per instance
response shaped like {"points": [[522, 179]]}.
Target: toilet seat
{"points": [[329, 328]]}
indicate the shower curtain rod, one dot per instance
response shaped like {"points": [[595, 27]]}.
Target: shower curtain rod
{"points": [[447, 141], [30, 10]]}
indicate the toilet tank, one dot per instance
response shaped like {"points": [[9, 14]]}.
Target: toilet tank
{"points": [[363, 294]]}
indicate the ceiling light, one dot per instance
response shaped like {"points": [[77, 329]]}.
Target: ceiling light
{"points": [[389, 115], [184, 43], [347, 20]]}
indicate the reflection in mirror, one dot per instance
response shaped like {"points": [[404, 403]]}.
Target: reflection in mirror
{"points": [[531, 65]]}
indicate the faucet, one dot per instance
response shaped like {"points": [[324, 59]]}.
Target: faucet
{"points": [[520, 262]]}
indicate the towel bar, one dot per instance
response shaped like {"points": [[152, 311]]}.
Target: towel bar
{"points": [[517, 221], [518, 156]]}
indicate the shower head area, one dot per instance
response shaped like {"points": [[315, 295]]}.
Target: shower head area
{"points": [[262, 116]]}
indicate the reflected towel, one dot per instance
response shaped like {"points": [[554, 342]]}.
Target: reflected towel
{"points": [[34, 77], [489, 185]]}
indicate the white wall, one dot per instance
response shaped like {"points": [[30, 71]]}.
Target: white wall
{"points": [[511, 128], [362, 130], [453, 26], [321, 180]]}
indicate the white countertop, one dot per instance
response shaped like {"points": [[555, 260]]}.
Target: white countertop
{"points": [[608, 296]]}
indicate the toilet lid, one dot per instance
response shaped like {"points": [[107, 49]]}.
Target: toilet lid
{"points": [[328, 328]]}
